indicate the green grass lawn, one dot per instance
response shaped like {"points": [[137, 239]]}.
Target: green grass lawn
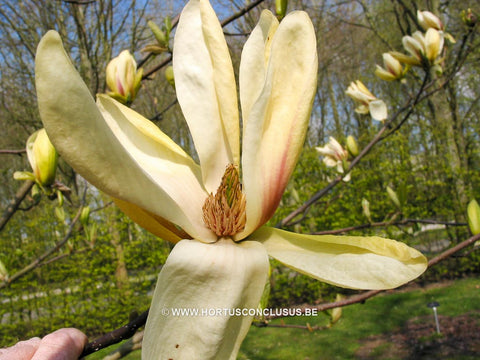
{"points": [[385, 313]]}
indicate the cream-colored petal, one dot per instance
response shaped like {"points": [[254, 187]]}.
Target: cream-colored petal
{"points": [[406, 59], [179, 195], [205, 278], [104, 151], [384, 74], [206, 90], [155, 224], [254, 61], [433, 44], [378, 109], [347, 261], [278, 121]]}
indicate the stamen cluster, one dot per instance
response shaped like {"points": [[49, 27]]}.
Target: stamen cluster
{"points": [[224, 213]]}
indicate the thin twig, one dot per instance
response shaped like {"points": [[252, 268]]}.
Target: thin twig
{"points": [[15, 203], [13, 152], [388, 223], [115, 336]]}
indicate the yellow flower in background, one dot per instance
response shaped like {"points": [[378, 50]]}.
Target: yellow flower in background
{"points": [[42, 157], [392, 70], [428, 20], [215, 216], [423, 49], [367, 102], [123, 79], [334, 155]]}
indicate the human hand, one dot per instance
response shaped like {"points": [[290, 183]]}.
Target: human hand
{"points": [[63, 344]]}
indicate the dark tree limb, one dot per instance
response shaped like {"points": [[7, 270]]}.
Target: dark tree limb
{"points": [[15, 203]]}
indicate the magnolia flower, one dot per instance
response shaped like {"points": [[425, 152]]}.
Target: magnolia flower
{"points": [[123, 79], [368, 103], [428, 20], [220, 260], [393, 68], [335, 156], [42, 157], [423, 49]]}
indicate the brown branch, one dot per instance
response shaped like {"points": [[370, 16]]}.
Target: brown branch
{"points": [[14, 204], [13, 152], [387, 223], [115, 336]]}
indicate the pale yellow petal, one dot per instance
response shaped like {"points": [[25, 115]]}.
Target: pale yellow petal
{"points": [[254, 61], [207, 279], [347, 261], [278, 121], [155, 224], [384, 74], [102, 150], [378, 109], [179, 195], [206, 90]]}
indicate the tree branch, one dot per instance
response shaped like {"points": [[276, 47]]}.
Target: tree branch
{"points": [[15, 203], [13, 152]]}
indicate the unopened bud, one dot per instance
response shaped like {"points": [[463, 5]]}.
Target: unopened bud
{"points": [[428, 20], [123, 79], [469, 18], [42, 157], [3, 272], [336, 313], [473, 212], [85, 215], [366, 209], [160, 36], [170, 76], [352, 145], [393, 196], [60, 213], [281, 8]]}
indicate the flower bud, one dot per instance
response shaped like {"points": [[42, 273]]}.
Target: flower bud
{"points": [[85, 215], [3, 272], [428, 20], [336, 313], [123, 79], [170, 76], [469, 18], [159, 34], [352, 145], [281, 8], [473, 213], [394, 197], [42, 157], [366, 209]]}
